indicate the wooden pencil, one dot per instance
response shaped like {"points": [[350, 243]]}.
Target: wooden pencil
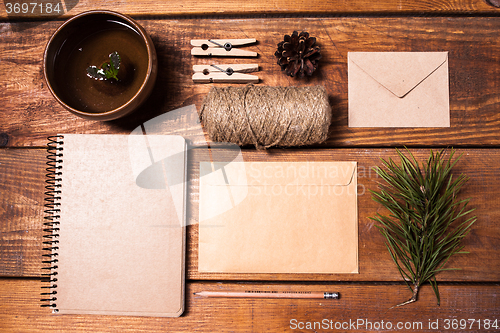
{"points": [[269, 294]]}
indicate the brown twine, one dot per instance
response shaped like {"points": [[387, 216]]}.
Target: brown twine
{"points": [[267, 116]]}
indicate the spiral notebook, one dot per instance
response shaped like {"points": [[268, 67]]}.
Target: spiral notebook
{"points": [[116, 225]]}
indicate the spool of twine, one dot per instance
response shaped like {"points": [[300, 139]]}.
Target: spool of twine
{"points": [[267, 116]]}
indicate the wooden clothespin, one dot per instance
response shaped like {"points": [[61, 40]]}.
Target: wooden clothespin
{"points": [[221, 47], [225, 73]]}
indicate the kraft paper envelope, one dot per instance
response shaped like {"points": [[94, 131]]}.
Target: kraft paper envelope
{"points": [[273, 217], [398, 89]]}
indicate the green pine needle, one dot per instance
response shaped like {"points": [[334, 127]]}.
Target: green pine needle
{"points": [[426, 221]]}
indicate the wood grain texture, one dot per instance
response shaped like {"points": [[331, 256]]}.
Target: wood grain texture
{"points": [[21, 207], [21, 248], [30, 113], [375, 263], [232, 7], [20, 310]]}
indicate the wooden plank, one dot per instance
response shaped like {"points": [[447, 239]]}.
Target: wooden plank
{"points": [[21, 205], [21, 208], [375, 263], [232, 7], [31, 113], [361, 308]]}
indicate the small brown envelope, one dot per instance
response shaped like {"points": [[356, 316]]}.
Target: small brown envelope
{"points": [[398, 89], [273, 217]]}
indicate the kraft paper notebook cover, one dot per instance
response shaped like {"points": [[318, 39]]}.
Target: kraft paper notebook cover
{"points": [[273, 217], [120, 232]]}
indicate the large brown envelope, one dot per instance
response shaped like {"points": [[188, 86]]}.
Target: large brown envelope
{"points": [[274, 217], [398, 89]]}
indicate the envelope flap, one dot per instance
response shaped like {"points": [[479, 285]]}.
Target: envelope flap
{"points": [[279, 173], [399, 72]]}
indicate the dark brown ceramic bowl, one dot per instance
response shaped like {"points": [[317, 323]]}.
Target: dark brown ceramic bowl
{"points": [[88, 39]]}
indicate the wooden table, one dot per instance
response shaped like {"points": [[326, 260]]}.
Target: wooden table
{"points": [[467, 29]]}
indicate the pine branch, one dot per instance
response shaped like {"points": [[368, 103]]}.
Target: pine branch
{"points": [[423, 229]]}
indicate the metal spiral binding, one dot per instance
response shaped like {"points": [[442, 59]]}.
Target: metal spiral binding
{"points": [[51, 224]]}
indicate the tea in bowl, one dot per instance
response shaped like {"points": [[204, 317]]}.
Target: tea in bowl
{"points": [[100, 65]]}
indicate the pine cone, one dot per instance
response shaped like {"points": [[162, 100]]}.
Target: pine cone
{"points": [[298, 55]]}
